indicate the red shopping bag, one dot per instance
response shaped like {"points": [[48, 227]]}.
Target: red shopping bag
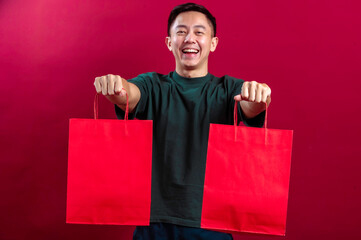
{"points": [[109, 171], [247, 179]]}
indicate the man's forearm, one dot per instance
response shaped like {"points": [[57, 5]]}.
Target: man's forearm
{"points": [[252, 109]]}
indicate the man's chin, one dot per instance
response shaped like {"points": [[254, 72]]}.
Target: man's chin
{"points": [[190, 66]]}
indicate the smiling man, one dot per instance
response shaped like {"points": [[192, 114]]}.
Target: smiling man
{"points": [[191, 38], [182, 104]]}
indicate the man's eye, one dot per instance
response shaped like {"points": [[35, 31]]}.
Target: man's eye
{"points": [[181, 32], [199, 33]]}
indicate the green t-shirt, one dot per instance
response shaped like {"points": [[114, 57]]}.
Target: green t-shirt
{"points": [[182, 109]]}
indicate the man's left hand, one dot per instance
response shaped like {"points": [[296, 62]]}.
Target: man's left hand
{"points": [[253, 97]]}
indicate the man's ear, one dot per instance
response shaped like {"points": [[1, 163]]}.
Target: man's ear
{"points": [[168, 43], [214, 44]]}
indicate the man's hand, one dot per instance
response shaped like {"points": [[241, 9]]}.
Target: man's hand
{"points": [[114, 88], [109, 85], [253, 97]]}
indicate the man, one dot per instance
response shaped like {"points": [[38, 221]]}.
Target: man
{"points": [[182, 104]]}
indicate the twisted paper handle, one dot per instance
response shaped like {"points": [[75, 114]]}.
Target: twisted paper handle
{"points": [[96, 112], [235, 120]]}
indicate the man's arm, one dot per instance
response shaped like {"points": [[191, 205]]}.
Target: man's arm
{"points": [[253, 97], [111, 86]]}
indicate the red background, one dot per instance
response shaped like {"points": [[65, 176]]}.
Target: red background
{"points": [[309, 52]]}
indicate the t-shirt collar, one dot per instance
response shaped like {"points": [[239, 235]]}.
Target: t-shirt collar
{"points": [[197, 81]]}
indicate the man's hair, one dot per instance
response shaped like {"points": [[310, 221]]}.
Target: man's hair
{"points": [[187, 7]]}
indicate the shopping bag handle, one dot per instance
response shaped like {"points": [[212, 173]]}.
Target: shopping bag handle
{"points": [[96, 114], [235, 120]]}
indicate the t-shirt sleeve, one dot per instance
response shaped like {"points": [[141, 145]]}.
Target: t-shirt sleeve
{"points": [[143, 83]]}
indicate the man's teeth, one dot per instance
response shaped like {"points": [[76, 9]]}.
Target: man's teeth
{"points": [[190, 51]]}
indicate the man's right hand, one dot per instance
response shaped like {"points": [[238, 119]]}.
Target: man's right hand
{"points": [[109, 85], [115, 88]]}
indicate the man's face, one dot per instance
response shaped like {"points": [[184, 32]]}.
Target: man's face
{"points": [[191, 39]]}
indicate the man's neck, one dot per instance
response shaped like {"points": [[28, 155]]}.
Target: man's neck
{"points": [[192, 73]]}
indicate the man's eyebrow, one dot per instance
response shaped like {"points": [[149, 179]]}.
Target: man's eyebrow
{"points": [[196, 26], [181, 26], [200, 26]]}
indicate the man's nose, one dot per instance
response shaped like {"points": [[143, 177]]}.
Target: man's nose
{"points": [[190, 38]]}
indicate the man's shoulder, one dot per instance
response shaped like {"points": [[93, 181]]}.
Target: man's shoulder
{"points": [[153, 75], [226, 79], [230, 78]]}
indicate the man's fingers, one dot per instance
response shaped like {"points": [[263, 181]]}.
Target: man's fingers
{"points": [[252, 91], [110, 84], [97, 85], [245, 92], [238, 98], [259, 92], [266, 92], [118, 85], [104, 85]]}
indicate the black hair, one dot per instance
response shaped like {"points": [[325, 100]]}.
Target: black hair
{"points": [[191, 7]]}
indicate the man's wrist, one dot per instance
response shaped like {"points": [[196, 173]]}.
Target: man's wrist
{"points": [[252, 109]]}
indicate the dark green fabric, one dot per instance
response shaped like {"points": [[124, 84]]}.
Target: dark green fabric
{"points": [[166, 231], [181, 110]]}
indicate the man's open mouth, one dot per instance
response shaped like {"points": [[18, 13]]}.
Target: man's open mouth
{"points": [[189, 50]]}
